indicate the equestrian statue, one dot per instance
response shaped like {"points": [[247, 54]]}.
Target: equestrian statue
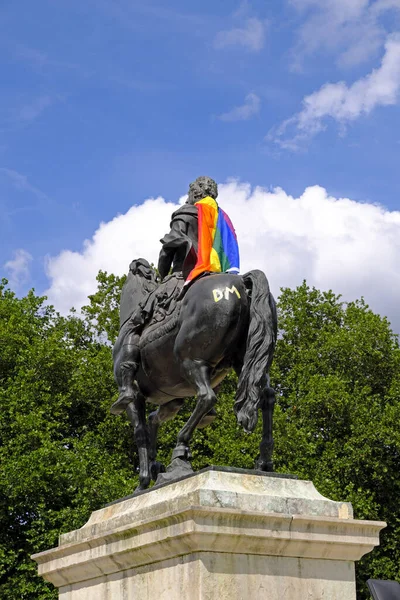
{"points": [[182, 335]]}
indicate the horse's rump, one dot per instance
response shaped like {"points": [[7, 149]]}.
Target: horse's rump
{"points": [[216, 304]]}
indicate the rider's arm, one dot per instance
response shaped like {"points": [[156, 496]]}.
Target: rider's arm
{"points": [[171, 242], [164, 262]]}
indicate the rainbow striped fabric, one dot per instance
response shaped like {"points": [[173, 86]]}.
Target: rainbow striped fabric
{"points": [[218, 250]]}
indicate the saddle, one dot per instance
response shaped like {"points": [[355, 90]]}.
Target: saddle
{"points": [[162, 308]]}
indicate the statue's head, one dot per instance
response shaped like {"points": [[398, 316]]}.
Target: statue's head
{"points": [[201, 188]]}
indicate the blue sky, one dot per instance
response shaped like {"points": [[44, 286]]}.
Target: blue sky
{"points": [[104, 104]]}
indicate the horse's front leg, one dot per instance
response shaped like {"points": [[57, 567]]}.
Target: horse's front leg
{"points": [[136, 412], [197, 373], [166, 412], [264, 461]]}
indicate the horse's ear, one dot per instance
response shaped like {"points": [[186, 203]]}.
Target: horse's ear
{"points": [[145, 271], [138, 266], [133, 266], [150, 274], [141, 267]]}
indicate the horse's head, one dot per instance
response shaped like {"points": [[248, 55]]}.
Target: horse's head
{"points": [[141, 267], [248, 418]]}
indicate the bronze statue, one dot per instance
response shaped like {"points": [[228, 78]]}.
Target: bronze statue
{"points": [[181, 337]]}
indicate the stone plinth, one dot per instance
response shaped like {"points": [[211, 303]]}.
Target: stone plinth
{"points": [[214, 535]]}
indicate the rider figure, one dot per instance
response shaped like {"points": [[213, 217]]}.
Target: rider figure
{"points": [[179, 251], [179, 248], [180, 245]]}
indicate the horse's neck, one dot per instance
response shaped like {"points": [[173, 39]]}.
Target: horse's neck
{"points": [[135, 294]]}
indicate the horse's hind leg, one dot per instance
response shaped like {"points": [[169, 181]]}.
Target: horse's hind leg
{"points": [[166, 412], [197, 373], [126, 360], [136, 412], [264, 461]]}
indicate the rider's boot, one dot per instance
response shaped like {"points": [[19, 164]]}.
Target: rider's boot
{"points": [[127, 391]]}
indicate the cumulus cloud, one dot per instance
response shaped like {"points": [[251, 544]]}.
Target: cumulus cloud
{"points": [[354, 30], [250, 108], [251, 36], [345, 103], [18, 268], [350, 247], [115, 243]]}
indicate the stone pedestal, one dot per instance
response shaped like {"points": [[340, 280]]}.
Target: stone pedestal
{"points": [[218, 534]]}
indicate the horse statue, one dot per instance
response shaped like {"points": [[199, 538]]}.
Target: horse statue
{"points": [[190, 344]]}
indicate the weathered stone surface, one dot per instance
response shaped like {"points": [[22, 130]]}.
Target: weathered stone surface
{"points": [[211, 576], [214, 535]]}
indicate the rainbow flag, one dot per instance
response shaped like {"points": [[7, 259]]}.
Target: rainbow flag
{"points": [[218, 250]]}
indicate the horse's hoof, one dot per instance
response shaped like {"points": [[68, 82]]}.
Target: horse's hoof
{"points": [[155, 469], [144, 483], [140, 488], [181, 451], [264, 465]]}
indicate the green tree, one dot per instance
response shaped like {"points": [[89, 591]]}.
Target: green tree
{"points": [[337, 376], [62, 454], [103, 309]]}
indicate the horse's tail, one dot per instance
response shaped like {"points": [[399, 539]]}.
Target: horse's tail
{"points": [[261, 340]]}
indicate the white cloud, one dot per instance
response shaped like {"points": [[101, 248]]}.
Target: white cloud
{"points": [[383, 5], [39, 60], [18, 268], [251, 36], [354, 30], [112, 247], [341, 10], [31, 111], [345, 103], [337, 243], [250, 108], [21, 183]]}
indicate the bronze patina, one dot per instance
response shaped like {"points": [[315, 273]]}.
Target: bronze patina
{"points": [[177, 341]]}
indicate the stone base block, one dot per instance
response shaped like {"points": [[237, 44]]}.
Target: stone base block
{"points": [[212, 576], [217, 534]]}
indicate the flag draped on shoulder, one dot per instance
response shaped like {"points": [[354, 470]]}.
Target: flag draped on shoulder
{"points": [[218, 250]]}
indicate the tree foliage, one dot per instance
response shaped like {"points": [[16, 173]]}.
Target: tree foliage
{"points": [[337, 376], [62, 455], [337, 373]]}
